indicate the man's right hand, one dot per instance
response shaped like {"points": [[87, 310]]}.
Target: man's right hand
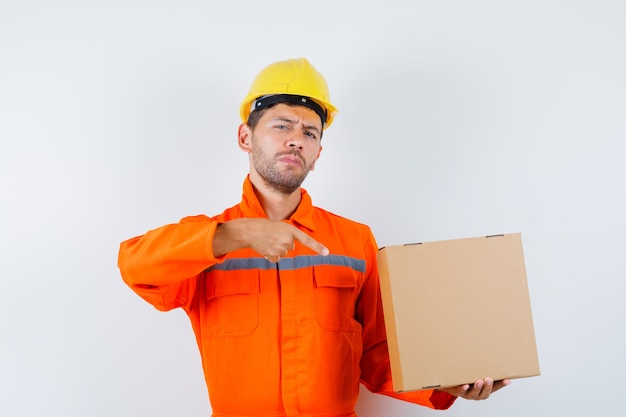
{"points": [[269, 238]]}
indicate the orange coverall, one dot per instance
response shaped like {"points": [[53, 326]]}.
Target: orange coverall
{"points": [[286, 339]]}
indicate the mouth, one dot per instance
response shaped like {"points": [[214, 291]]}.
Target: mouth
{"points": [[291, 159]]}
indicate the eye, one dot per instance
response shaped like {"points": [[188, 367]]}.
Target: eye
{"points": [[310, 135]]}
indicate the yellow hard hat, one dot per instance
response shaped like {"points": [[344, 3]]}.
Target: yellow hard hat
{"points": [[293, 81]]}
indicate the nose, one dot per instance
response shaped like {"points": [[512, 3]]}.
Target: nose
{"points": [[295, 145], [295, 138]]}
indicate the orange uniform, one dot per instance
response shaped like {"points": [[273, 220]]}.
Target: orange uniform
{"points": [[292, 338]]}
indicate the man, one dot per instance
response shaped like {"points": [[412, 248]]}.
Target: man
{"points": [[283, 296]]}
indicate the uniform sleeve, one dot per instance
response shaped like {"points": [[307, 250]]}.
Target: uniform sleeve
{"points": [[162, 265], [375, 365]]}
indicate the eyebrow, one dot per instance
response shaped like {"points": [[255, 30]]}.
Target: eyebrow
{"points": [[292, 121]]}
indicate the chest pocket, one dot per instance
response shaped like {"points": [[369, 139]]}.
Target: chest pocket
{"points": [[232, 303], [335, 298]]}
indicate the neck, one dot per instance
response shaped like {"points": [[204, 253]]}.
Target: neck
{"points": [[277, 206]]}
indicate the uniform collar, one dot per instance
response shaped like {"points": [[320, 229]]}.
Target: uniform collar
{"points": [[251, 207]]}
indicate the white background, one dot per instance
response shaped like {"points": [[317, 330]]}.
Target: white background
{"points": [[457, 119]]}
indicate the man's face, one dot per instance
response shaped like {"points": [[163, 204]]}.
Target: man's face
{"points": [[283, 146]]}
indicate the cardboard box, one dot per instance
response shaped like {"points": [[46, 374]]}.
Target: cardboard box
{"points": [[456, 311]]}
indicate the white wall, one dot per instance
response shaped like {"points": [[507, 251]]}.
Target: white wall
{"points": [[457, 119]]}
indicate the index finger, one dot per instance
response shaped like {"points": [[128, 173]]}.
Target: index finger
{"points": [[308, 241], [500, 384]]}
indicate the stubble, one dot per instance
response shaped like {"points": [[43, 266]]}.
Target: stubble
{"points": [[281, 178]]}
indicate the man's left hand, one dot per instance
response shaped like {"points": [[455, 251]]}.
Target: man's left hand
{"points": [[481, 389]]}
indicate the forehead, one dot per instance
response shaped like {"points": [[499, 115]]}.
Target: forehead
{"points": [[293, 112]]}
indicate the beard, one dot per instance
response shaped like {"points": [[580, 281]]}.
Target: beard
{"points": [[282, 178]]}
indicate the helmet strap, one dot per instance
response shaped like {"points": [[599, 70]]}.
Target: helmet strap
{"points": [[266, 101]]}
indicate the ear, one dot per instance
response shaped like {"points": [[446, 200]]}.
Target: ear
{"points": [[244, 136], [316, 158]]}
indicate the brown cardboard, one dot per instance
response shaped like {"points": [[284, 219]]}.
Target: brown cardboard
{"points": [[456, 311]]}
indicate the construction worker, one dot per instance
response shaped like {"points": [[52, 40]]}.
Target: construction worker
{"points": [[283, 296]]}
